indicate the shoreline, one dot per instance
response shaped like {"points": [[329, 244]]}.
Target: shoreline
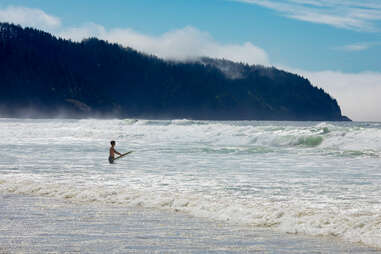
{"points": [[31, 224]]}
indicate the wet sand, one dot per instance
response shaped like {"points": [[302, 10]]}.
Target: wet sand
{"points": [[31, 224]]}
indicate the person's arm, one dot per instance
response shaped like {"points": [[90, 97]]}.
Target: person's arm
{"points": [[118, 153]]}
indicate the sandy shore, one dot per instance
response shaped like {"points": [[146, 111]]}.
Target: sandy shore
{"points": [[43, 225]]}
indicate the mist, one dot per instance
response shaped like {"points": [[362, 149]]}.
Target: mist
{"points": [[358, 94]]}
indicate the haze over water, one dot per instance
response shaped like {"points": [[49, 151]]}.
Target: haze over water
{"points": [[318, 179]]}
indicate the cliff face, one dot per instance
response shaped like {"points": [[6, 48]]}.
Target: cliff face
{"points": [[46, 76]]}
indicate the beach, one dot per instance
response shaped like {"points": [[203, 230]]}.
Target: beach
{"points": [[31, 224]]}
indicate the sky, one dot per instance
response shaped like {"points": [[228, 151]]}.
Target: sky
{"points": [[336, 44]]}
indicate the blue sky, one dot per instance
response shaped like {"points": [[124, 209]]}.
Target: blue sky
{"points": [[334, 43]]}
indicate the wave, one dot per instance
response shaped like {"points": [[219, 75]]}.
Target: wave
{"points": [[238, 150], [295, 141], [165, 122], [353, 222], [341, 139], [267, 133]]}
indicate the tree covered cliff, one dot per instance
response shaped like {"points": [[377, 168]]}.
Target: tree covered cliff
{"points": [[47, 75]]}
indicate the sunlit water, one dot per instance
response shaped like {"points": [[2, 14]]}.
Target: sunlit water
{"points": [[318, 179]]}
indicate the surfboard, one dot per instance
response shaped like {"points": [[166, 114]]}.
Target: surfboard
{"points": [[121, 156]]}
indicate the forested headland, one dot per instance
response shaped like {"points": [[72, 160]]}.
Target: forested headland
{"points": [[45, 76]]}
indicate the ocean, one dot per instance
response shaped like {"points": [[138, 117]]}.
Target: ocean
{"points": [[319, 181]]}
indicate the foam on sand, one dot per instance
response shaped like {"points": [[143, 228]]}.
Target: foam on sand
{"points": [[351, 221], [53, 226]]}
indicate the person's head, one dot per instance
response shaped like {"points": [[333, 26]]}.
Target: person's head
{"points": [[112, 143]]}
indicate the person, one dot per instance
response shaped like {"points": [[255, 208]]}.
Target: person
{"points": [[111, 157]]}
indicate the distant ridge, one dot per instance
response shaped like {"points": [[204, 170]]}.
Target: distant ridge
{"points": [[45, 76]]}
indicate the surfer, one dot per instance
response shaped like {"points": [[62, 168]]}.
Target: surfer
{"points": [[111, 157]]}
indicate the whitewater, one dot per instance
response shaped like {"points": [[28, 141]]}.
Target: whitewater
{"points": [[321, 179]]}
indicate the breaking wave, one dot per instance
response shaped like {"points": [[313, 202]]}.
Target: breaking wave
{"points": [[362, 139]]}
